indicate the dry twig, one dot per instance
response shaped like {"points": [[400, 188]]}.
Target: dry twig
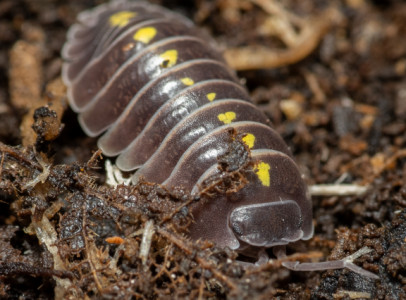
{"points": [[299, 45]]}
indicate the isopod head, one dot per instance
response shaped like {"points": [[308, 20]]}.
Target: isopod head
{"points": [[273, 208]]}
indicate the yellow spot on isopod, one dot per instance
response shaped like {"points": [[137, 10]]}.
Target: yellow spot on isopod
{"points": [[187, 81], [121, 18], [227, 117], [211, 96], [169, 58], [262, 171], [249, 140], [145, 35]]}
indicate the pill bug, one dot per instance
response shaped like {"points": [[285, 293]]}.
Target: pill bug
{"points": [[165, 102]]}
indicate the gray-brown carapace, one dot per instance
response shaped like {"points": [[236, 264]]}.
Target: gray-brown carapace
{"points": [[165, 102]]}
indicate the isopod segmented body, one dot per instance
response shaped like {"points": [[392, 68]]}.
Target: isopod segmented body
{"points": [[165, 102]]}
